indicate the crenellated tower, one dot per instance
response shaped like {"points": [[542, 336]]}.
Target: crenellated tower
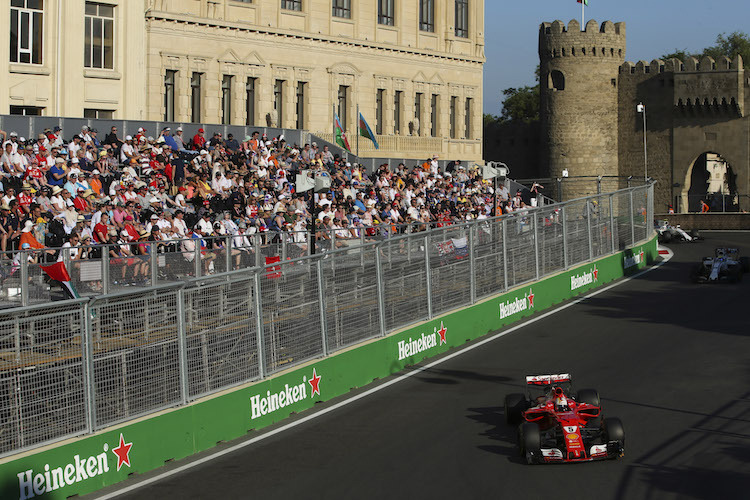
{"points": [[579, 96]]}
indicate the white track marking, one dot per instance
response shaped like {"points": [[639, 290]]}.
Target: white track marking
{"points": [[352, 399]]}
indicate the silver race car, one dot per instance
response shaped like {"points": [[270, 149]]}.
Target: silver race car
{"points": [[725, 265], [668, 233]]}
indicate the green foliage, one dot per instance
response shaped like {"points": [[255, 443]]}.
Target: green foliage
{"points": [[521, 104], [726, 45]]}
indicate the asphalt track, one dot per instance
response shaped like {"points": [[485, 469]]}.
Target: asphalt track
{"points": [[669, 358]]}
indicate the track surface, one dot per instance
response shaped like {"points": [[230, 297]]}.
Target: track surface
{"points": [[669, 358]]}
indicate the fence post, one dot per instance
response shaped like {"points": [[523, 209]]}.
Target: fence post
{"points": [[87, 338], [257, 243], [197, 258], [472, 264], [505, 254], [380, 289], [588, 229], [105, 269], [154, 264], [564, 236], [24, 278], [228, 250], [632, 220], [182, 345], [536, 244], [322, 306], [259, 338], [428, 275], [612, 223]]}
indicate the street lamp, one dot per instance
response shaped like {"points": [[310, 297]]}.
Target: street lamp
{"points": [[641, 108]]}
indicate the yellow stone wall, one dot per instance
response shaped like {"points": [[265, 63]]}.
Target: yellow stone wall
{"points": [[260, 39]]}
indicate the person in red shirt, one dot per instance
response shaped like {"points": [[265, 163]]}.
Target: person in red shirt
{"points": [[199, 140], [24, 197], [101, 230], [80, 202]]}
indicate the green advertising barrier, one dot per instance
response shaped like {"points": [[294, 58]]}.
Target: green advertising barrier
{"points": [[92, 462]]}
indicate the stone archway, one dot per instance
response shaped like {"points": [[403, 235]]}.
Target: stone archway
{"points": [[710, 178]]}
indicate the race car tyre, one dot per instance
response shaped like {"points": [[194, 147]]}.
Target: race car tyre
{"points": [[745, 263], [614, 431], [515, 404], [665, 237], [589, 396], [695, 234], [530, 442]]}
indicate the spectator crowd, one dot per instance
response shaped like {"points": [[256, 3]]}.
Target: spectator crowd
{"points": [[87, 192]]}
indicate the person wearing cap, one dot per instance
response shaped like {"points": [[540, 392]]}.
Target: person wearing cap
{"points": [[199, 139], [57, 174], [128, 151], [57, 141], [179, 139], [9, 227], [24, 197]]}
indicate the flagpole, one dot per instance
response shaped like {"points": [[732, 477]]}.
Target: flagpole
{"points": [[583, 16], [357, 131]]}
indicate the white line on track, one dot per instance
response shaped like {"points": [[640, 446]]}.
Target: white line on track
{"points": [[401, 378]]}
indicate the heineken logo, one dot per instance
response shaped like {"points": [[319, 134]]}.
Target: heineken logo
{"points": [[271, 402], [407, 348], [633, 260], [517, 304], [33, 483], [579, 280]]}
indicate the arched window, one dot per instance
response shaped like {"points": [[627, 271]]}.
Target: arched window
{"points": [[556, 80]]}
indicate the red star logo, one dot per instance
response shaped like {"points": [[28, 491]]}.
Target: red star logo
{"points": [[315, 383], [641, 254], [442, 333], [596, 273], [123, 453], [530, 296]]}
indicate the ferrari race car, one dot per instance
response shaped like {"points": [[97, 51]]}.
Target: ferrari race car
{"points": [[560, 425], [725, 265], [667, 232]]}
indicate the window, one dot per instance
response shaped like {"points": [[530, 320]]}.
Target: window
{"points": [[301, 87], [379, 111], [418, 112], [196, 82], [557, 80], [169, 94], [250, 101], [434, 115], [467, 118], [226, 99], [342, 8], [26, 110], [386, 12], [397, 112], [291, 4], [278, 101], [99, 26], [462, 18], [343, 106], [427, 15], [454, 101], [98, 114], [26, 31]]}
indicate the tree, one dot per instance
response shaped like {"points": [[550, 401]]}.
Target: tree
{"points": [[729, 46], [680, 54], [521, 104]]}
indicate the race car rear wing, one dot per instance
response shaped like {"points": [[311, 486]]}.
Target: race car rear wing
{"points": [[547, 379]]}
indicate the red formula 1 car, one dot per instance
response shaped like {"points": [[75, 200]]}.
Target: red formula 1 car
{"points": [[559, 425]]}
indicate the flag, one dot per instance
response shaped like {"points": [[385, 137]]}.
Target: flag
{"points": [[584, 2], [340, 138], [58, 272], [366, 132]]}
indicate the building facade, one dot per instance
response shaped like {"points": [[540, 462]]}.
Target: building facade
{"points": [[412, 67]]}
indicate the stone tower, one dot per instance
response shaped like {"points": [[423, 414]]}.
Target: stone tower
{"points": [[579, 97]]}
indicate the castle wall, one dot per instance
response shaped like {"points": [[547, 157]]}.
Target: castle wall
{"points": [[579, 97]]}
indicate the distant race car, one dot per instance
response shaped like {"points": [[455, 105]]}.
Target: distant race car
{"points": [[560, 426], [725, 265], [668, 233]]}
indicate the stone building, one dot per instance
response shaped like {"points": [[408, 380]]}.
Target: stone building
{"points": [[589, 120], [413, 68]]}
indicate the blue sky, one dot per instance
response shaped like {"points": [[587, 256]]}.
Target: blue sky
{"points": [[654, 28]]}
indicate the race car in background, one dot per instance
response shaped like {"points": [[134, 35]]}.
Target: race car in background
{"points": [[559, 425], [725, 265], [668, 233]]}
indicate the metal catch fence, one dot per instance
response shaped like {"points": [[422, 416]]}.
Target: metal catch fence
{"points": [[73, 367]]}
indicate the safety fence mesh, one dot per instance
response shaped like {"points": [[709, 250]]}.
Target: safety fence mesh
{"points": [[248, 308]]}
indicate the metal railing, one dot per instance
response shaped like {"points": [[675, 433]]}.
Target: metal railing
{"points": [[73, 367]]}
